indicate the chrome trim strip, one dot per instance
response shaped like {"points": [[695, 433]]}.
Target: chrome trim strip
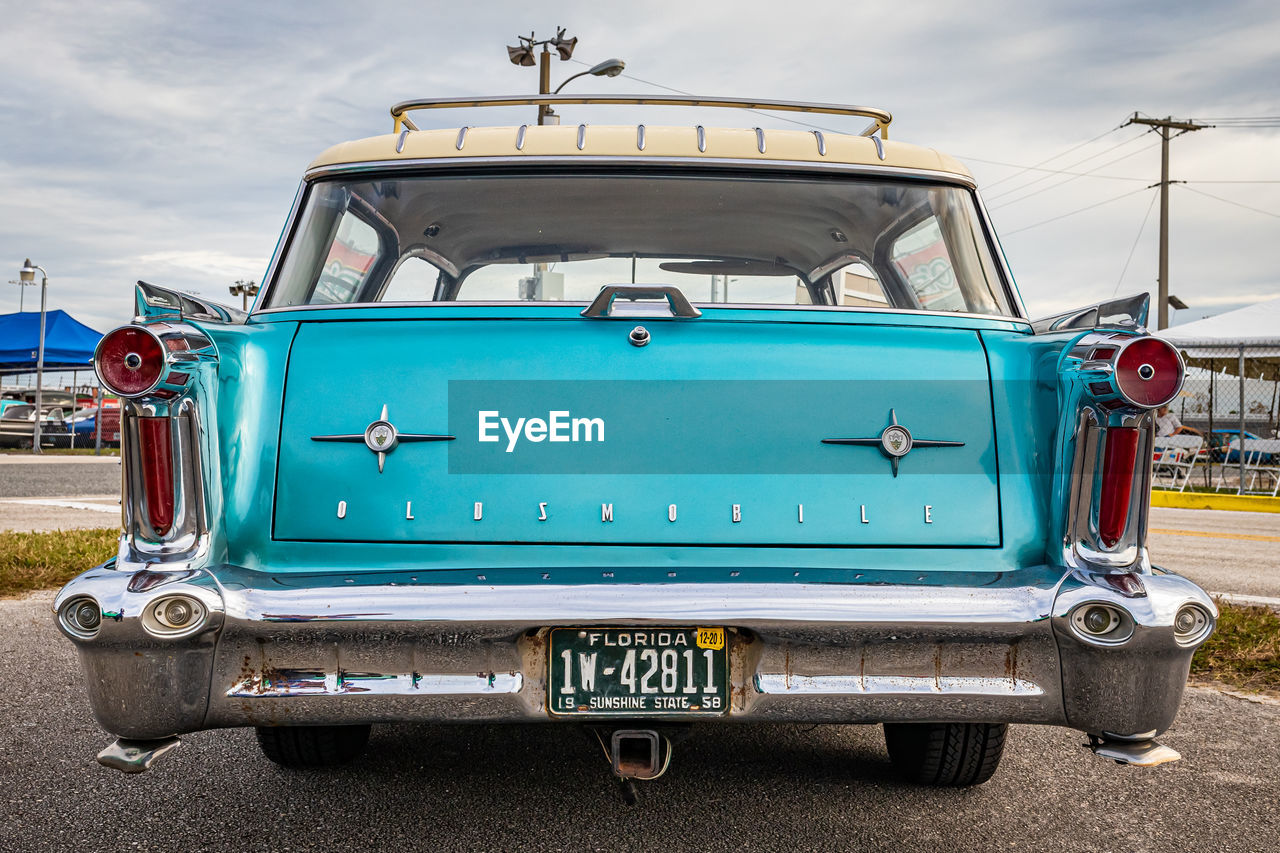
{"points": [[520, 137], [582, 136], [702, 138], [462, 136], [879, 146], [760, 139], [869, 169], [847, 309], [781, 683], [822, 143], [297, 682], [400, 142], [640, 136]]}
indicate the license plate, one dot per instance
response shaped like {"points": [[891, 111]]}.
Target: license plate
{"points": [[637, 672]]}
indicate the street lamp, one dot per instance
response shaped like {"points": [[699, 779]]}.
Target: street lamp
{"points": [[26, 276], [608, 68], [244, 289], [523, 53]]}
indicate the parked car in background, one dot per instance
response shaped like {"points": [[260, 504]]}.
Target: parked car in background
{"points": [[636, 427], [18, 426], [82, 428], [1224, 444]]}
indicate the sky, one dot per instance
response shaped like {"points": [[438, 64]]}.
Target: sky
{"points": [[165, 141]]}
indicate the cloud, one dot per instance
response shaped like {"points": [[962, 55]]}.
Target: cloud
{"points": [[165, 141]]}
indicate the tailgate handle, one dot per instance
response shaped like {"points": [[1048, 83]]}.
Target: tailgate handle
{"points": [[602, 305]]}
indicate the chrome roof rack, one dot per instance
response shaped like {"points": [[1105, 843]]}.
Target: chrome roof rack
{"points": [[879, 124]]}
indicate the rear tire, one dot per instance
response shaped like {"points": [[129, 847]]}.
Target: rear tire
{"points": [[945, 755], [312, 747]]}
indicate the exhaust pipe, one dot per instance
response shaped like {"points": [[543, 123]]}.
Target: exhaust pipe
{"points": [[639, 753], [135, 756]]}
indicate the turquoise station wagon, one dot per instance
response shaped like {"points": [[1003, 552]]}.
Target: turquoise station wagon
{"points": [[636, 427]]}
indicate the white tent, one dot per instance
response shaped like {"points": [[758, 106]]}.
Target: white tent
{"points": [[1244, 343], [1250, 334], [1255, 329]]}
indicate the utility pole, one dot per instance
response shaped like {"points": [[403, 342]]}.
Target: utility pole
{"points": [[1165, 125]]}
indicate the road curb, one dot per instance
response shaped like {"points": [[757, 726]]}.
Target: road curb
{"points": [[1204, 500]]}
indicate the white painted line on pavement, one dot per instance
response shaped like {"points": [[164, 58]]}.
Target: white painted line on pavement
{"points": [[1239, 598], [69, 505]]}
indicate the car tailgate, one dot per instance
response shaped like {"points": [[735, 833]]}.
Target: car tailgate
{"points": [[565, 432]]}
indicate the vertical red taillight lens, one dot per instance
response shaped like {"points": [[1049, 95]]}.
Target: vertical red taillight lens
{"points": [[1119, 461], [156, 458]]}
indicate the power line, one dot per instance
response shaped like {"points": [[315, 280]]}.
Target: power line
{"points": [[1054, 186], [1041, 169], [744, 109], [1244, 121], [1074, 212], [1037, 166], [1136, 240], [1028, 184], [1236, 203]]}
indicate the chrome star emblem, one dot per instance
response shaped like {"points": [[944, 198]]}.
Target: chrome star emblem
{"points": [[381, 437], [895, 441]]}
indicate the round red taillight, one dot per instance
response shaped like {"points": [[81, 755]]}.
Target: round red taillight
{"points": [[130, 361], [1149, 372]]}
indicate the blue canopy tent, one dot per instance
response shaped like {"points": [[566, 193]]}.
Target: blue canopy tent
{"points": [[68, 346], [68, 343]]}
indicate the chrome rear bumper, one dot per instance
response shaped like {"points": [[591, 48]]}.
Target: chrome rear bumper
{"points": [[280, 649]]}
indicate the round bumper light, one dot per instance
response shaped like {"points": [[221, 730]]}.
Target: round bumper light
{"points": [[173, 616], [1101, 623], [82, 617], [1191, 624], [1099, 620]]}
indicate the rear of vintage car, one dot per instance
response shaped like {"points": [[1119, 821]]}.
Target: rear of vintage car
{"points": [[635, 428]]}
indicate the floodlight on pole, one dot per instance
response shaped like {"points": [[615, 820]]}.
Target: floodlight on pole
{"points": [[27, 275], [523, 54], [244, 289]]}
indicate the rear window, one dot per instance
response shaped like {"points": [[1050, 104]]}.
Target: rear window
{"points": [[749, 240]]}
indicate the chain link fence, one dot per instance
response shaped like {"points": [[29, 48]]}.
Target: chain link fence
{"points": [[1231, 402], [70, 404]]}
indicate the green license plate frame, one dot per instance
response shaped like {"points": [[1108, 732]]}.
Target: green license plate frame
{"points": [[632, 671]]}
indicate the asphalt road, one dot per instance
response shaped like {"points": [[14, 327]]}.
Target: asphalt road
{"points": [[530, 787], [58, 475], [1236, 552]]}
